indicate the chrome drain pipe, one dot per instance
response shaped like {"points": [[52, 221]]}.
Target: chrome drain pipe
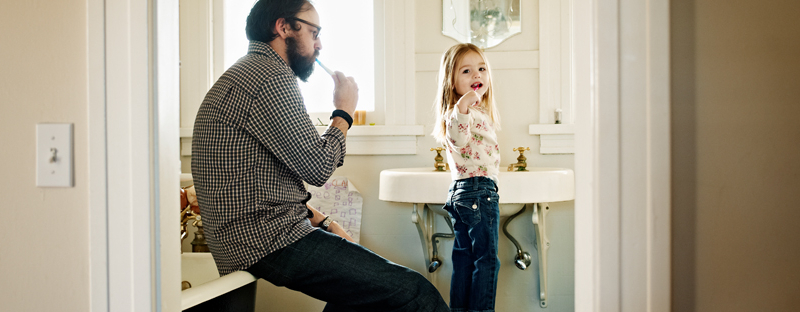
{"points": [[523, 259], [435, 262]]}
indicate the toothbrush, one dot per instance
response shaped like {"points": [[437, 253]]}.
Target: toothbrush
{"points": [[476, 90], [328, 70]]}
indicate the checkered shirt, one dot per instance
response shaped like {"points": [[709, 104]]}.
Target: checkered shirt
{"points": [[253, 146]]}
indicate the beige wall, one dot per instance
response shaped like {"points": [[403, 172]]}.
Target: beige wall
{"points": [[44, 238], [736, 155]]}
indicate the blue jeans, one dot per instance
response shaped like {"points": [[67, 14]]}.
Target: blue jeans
{"points": [[475, 211], [347, 276]]}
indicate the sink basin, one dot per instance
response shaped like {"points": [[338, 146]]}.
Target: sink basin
{"points": [[424, 185]]}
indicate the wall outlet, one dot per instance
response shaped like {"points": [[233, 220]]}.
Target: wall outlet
{"points": [[54, 155]]}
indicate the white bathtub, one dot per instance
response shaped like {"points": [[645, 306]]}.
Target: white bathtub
{"points": [[199, 270]]}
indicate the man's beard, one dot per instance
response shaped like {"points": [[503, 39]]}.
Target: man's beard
{"points": [[301, 65]]}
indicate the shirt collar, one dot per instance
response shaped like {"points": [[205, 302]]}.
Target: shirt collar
{"points": [[265, 49]]}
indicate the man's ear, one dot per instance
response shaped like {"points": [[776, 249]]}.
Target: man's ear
{"points": [[280, 28]]}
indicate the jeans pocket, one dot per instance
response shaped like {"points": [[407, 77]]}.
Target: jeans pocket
{"points": [[468, 210]]}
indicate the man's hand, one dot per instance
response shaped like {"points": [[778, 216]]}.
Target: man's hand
{"points": [[345, 93], [334, 228], [337, 229], [317, 218]]}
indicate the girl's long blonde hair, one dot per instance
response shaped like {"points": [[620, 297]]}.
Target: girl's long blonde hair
{"points": [[446, 97]]}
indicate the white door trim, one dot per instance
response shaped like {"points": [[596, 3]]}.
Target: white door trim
{"points": [[622, 158], [133, 151], [98, 194], [121, 191], [167, 161]]}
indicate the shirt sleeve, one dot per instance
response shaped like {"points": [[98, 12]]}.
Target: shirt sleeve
{"points": [[458, 131], [278, 119]]}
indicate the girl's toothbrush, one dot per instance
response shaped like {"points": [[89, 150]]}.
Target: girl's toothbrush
{"points": [[476, 90], [328, 70]]}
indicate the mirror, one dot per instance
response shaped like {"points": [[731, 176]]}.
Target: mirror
{"points": [[485, 23]]}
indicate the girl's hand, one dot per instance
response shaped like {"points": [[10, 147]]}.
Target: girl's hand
{"points": [[472, 98]]}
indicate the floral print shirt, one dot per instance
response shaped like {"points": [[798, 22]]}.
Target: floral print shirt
{"points": [[472, 149]]}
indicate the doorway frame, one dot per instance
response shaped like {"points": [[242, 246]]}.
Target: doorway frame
{"points": [[622, 155], [132, 81], [622, 158]]}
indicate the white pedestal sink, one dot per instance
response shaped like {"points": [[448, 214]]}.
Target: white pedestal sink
{"points": [[537, 186]]}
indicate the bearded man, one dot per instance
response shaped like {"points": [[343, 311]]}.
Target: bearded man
{"points": [[253, 146]]}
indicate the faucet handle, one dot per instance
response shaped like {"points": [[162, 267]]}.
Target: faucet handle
{"points": [[521, 150], [197, 221]]}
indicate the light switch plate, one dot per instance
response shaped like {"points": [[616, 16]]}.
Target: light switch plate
{"points": [[54, 155]]}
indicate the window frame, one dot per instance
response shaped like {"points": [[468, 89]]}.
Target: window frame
{"points": [[555, 78], [396, 131]]}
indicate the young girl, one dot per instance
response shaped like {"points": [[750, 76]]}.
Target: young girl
{"points": [[466, 120]]}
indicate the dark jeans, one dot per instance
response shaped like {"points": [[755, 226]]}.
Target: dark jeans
{"points": [[347, 276], [475, 211]]}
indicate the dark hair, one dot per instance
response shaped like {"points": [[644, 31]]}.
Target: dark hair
{"points": [[264, 15]]}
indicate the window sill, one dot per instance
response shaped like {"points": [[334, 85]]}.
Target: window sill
{"points": [[361, 140], [381, 140], [554, 138], [380, 130]]}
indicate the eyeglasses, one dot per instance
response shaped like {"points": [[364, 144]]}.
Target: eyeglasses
{"points": [[319, 28]]}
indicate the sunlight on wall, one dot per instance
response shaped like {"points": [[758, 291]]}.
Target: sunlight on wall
{"points": [[347, 45]]}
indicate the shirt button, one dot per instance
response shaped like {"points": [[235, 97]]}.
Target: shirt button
{"points": [[474, 206], [489, 199]]}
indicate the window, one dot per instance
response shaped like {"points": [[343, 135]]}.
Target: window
{"points": [[348, 45], [383, 65]]}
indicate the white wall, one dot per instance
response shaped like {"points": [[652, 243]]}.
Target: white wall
{"points": [[387, 228], [44, 232]]}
